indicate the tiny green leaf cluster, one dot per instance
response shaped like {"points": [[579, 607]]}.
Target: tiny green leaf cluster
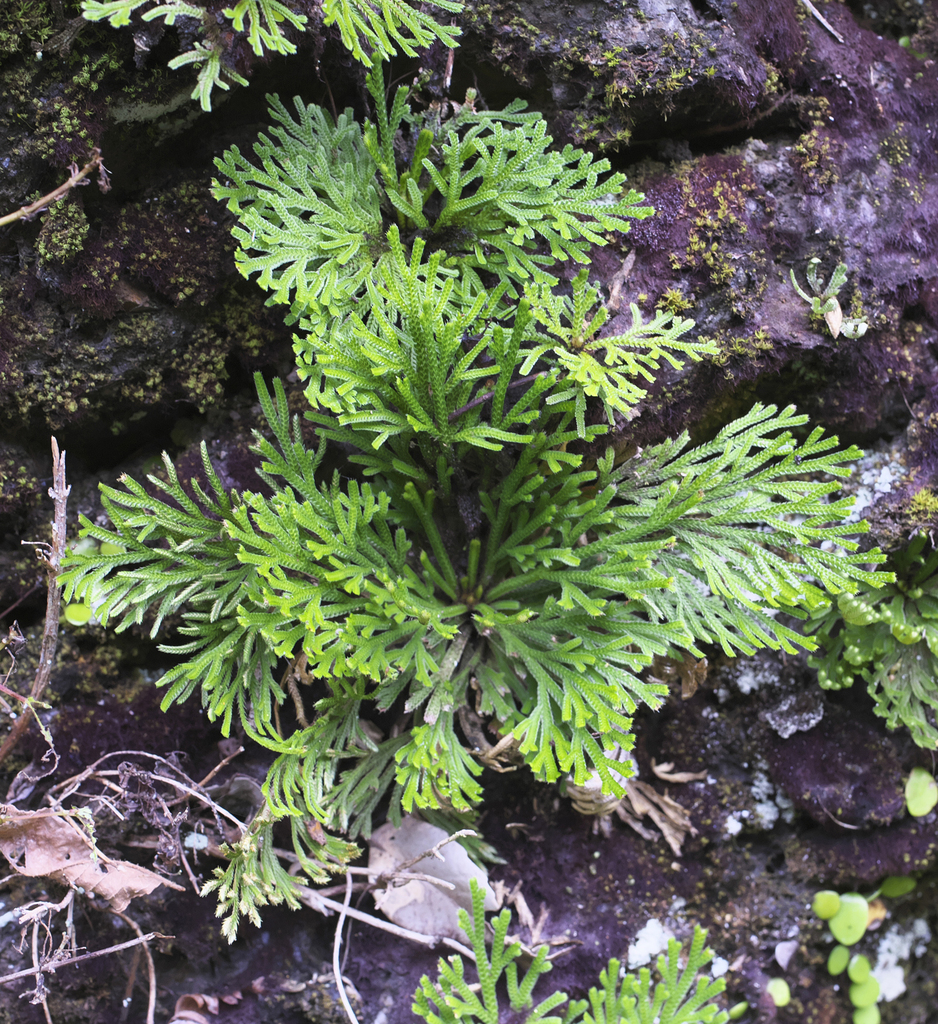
{"points": [[823, 301], [889, 638], [847, 916], [680, 997]]}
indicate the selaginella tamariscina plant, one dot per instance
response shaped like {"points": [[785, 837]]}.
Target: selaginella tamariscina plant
{"points": [[467, 560]]}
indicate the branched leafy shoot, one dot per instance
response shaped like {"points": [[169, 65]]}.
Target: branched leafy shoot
{"points": [[680, 997], [371, 29]]}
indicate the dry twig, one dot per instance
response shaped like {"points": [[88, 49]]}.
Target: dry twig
{"points": [[151, 969], [77, 177], [51, 557], [336, 946], [53, 965]]}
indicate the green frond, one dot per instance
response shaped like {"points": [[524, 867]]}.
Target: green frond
{"points": [[255, 878], [117, 12], [210, 70], [682, 996], [606, 367], [377, 29], [749, 530], [308, 212], [259, 20], [264, 18]]}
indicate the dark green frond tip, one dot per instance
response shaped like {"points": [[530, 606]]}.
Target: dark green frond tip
{"points": [[888, 637]]}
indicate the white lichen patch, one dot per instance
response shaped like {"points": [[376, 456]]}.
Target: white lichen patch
{"points": [[897, 945], [765, 812], [750, 675], [650, 941], [877, 473]]}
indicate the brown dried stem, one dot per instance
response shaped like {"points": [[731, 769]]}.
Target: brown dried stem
{"points": [[151, 968], [53, 965], [77, 177], [51, 556]]}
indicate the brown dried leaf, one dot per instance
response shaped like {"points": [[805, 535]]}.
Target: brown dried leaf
{"points": [[834, 318], [418, 905], [617, 282], [691, 672], [667, 814], [666, 774], [43, 843]]}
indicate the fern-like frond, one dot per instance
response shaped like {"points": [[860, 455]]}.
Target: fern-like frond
{"points": [[259, 20], [377, 29], [210, 70], [264, 18], [606, 368], [752, 531], [314, 219], [116, 12], [682, 996], [514, 193], [310, 215], [255, 878]]}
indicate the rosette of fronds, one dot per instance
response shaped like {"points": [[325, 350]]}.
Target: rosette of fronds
{"points": [[681, 996], [888, 637], [485, 187], [489, 567], [467, 554]]}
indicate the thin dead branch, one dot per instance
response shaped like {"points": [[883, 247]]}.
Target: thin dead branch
{"points": [[53, 965], [324, 905], [77, 177], [336, 946], [218, 767], [51, 556], [151, 968], [434, 851], [820, 17]]}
